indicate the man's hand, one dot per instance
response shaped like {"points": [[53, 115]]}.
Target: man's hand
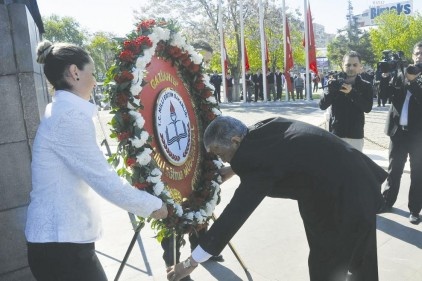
{"points": [[160, 213], [346, 88], [180, 270], [226, 173]]}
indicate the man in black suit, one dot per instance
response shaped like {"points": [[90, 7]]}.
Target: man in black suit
{"points": [[216, 81], [336, 186], [404, 126]]}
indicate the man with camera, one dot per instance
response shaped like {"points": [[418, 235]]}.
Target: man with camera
{"points": [[404, 127], [349, 97]]}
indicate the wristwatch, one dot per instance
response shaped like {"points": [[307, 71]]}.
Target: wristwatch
{"points": [[188, 263]]}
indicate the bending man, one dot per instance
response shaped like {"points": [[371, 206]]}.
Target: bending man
{"points": [[336, 186]]}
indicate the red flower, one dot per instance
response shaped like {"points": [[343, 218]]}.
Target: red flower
{"points": [[123, 77], [160, 47], [121, 100], [141, 186], [123, 135], [130, 162], [186, 62], [206, 94], [199, 85], [145, 25], [173, 51], [194, 67], [127, 55], [210, 116], [143, 40]]}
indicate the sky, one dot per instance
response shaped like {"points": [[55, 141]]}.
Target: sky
{"points": [[117, 16]]}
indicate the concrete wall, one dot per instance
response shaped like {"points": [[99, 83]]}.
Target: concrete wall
{"points": [[23, 97]]}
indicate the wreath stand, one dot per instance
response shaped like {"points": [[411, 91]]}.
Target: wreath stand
{"points": [[142, 224]]}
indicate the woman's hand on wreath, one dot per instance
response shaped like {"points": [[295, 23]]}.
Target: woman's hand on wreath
{"points": [[161, 213]]}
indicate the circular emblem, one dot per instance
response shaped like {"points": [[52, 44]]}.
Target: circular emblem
{"points": [[173, 126]]}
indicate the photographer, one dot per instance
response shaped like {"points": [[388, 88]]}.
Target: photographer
{"points": [[404, 127], [349, 97]]}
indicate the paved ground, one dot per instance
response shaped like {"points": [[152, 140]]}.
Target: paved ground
{"points": [[272, 243]]}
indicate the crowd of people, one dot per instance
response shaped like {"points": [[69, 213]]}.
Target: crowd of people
{"points": [[275, 86]]}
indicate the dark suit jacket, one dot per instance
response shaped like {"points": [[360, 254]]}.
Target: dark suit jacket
{"points": [[414, 110], [290, 159]]}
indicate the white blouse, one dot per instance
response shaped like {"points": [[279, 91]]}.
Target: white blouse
{"points": [[67, 167]]}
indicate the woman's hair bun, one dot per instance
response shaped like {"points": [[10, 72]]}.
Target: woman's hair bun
{"points": [[43, 50]]}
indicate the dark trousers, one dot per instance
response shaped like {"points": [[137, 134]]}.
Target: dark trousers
{"points": [[168, 246], [339, 243], [65, 262], [404, 144], [217, 93]]}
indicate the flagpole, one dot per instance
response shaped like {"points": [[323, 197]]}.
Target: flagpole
{"points": [[242, 47], [306, 21], [223, 69], [263, 50], [285, 46]]}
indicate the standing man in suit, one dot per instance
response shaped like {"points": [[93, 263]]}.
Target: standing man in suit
{"points": [[216, 81], [404, 126], [283, 158], [279, 79]]}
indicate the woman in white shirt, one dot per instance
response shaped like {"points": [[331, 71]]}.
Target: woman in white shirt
{"points": [[63, 219]]}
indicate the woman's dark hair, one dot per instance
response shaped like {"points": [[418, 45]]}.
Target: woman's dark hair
{"points": [[57, 58]]}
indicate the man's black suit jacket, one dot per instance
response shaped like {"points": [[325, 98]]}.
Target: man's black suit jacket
{"points": [[414, 110], [290, 159]]}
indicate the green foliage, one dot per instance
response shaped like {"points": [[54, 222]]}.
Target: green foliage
{"points": [[102, 48], [63, 29], [350, 39], [396, 32]]}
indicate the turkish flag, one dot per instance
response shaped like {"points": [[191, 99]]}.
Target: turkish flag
{"points": [[289, 52], [311, 42], [226, 57], [246, 59]]}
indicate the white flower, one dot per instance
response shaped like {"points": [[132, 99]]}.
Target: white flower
{"points": [[218, 163], [170, 201], [209, 208], [211, 99], [140, 121], [158, 188], [139, 142], [179, 210], [219, 179], [199, 217], [156, 172], [162, 34], [203, 212], [216, 111], [145, 157], [189, 216], [153, 179]]}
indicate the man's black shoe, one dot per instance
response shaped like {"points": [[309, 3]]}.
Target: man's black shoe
{"points": [[218, 258], [414, 218]]}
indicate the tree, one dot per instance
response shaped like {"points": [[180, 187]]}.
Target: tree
{"points": [[64, 29], [102, 48], [396, 33]]}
